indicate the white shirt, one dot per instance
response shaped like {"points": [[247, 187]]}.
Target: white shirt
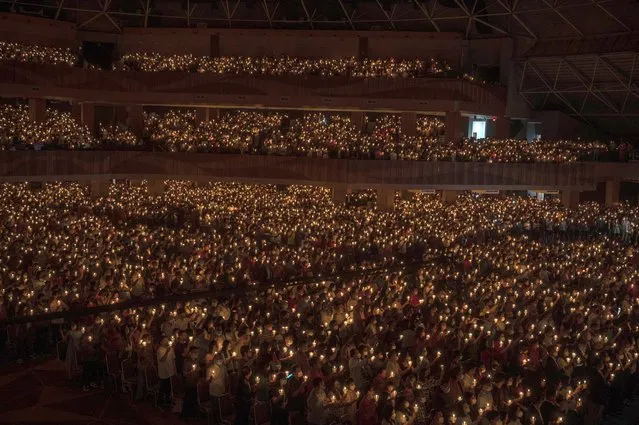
{"points": [[316, 413], [166, 367], [217, 375], [357, 373]]}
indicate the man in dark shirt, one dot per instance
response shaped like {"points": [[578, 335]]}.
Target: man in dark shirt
{"points": [[296, 390], [191, 373], [243, 398]]}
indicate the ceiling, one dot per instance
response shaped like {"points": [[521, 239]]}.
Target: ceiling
{"points": [[601, 89], [532, 19]]}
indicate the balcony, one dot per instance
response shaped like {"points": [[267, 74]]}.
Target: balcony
{"points": [[285, 92], [97, 165]]}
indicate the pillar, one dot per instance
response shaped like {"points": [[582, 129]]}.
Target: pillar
{"points": [[202, 114], [362, 47], [99, 188], [121, 115], [357, 118], [449, 196], [87, 116], [385, 199], [37, 109], [206, 114], [407, 195], [409, 124], [612, 192], [339, 192], [155, 187], [135, 120], [453, 125], [502, 128], [570, 198]]}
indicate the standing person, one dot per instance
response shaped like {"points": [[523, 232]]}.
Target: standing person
{"points": [[74, 337], [243, 398], [191, 373], [144, 362], [625, 229], [279, 400], [367, 410], [316, 403], [218, 380], [166, 370], [296, 390], [90, 365]]}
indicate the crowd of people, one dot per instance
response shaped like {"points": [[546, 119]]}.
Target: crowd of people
{"points": [[59, 130], [36, 54], [317, 134], [237, 65], [286, 65], [510, 310]]}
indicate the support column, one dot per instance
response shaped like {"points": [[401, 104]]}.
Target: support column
{"points": [[99, 188], [453, 125], [409, 124], [37, 109], [362, 47], [449, 196], [135, 120], [407, 195], [155, 187], [206, 114], [570, 198], [339, 192], [502, 128], [87, 117], [612, 192], [385, 199], [202, 115], [357, 118]]}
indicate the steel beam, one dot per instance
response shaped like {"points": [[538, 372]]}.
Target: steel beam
{"points": [[348, 17], [562, 16], [427, 14], [309, 17], [388, 16]]}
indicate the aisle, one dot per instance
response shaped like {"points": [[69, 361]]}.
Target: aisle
{"points": [[39, 393]]}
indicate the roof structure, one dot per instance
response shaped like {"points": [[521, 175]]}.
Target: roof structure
{"points": [[533, 19]]}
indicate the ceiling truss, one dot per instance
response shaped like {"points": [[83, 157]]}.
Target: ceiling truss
{"points": [[593, 88], [473, 18]]}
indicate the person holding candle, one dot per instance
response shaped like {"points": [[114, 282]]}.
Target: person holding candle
{"points": [[316, 403], [166, 369], [367, 409], [191, 373], [279, 401], [90, 363], [243, 398]]}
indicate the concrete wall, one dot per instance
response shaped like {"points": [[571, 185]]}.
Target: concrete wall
{"points": [[408, 45], [558, 125], [166, 41], [95, 165], [246, 42], [213, 90], [31, 30], [288, 43]]}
